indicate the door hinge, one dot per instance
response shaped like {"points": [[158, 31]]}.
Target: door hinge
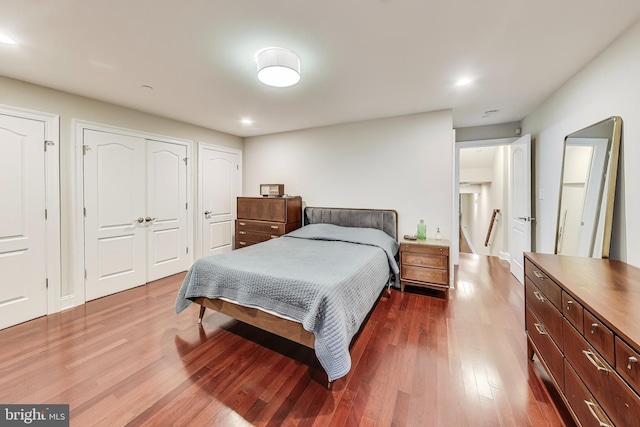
{"points": [[85, 273], [187, 249], [46, 283], [45, 214], [237, 167], [84, 211], [186, 205], [47, 143], [185, 160]]}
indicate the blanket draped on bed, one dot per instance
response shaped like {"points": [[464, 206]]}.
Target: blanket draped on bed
{"points": [[324, 276]]}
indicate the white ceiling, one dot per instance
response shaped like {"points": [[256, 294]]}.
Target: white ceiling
{"points": [[361, 59]]}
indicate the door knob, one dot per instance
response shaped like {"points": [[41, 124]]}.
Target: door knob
{"points": [[140, 220], [149, 219], [208, 212]]}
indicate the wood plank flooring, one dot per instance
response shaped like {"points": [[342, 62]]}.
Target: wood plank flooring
{"points": [[128, 359]]}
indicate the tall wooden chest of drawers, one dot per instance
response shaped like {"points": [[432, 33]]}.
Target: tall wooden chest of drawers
{"points": [[264, 218], [582, 317]]}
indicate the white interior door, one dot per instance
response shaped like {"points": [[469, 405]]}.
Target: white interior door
{"points": [[23, 293], [219, 181], [166, 219], [520, 212], [115, 199]]}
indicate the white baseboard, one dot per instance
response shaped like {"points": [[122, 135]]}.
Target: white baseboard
{"points": [[67, 302], [505, 256]]}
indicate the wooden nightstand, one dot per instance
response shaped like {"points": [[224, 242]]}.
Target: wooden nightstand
{"points": [[425, 263]]}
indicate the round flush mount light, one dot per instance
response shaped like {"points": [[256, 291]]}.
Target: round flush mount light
{"points": [[6, 39], [463, 81], [278, 67]]}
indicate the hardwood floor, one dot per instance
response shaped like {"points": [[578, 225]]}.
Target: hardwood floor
{"points": [[128, 359]]}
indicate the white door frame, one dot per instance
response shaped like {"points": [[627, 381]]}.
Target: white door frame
{"points": [[455, 242], [52, 195], [199, 219], [77, 215]]}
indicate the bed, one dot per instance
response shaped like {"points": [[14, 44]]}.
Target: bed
{"points": [[315, 285]]}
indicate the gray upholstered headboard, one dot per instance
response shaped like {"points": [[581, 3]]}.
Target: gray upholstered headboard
{"points": [[385, 220]]}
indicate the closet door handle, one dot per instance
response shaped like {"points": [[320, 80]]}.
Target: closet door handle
{"points": [[149, 219], [208, 212], [140, 220]]}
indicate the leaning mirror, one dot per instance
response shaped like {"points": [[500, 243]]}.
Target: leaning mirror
{"points": [[589, 171]]}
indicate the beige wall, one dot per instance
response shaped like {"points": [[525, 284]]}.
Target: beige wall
{"points": [[403, 163], [24, 95]]}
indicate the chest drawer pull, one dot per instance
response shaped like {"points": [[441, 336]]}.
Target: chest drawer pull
{"points": [[597, 414], [595, 361], [274, 236], [593, 328], [275, 227], [632, 359], [242, 243], [242, 232], [538, 274], [569, 305], [540, 297], [540, 329], [242, 223]]}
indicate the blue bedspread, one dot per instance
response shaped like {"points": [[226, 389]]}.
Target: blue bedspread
{"points": [[324, 276]]}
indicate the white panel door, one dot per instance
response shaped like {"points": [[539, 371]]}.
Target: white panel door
{"points": [[218, 177], [166, 209], [520, 212], [115, 199], [23, 293]]}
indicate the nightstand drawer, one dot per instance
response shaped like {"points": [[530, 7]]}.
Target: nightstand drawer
{"points": [[425, 249], [421, 274], [425, 260]]}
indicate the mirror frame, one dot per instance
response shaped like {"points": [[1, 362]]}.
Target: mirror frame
{"points": [[609, 191]]}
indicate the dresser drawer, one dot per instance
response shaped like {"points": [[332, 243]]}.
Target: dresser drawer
{"points": [[573, 311], [425, 260], [252, 236], [422, 274], [620, 402], [264, 209], [260, 227], [243, 244], [583, 404], [546, 347], [628, 363], [425, 249], [551, 290], [546, 312], [599, 336]]}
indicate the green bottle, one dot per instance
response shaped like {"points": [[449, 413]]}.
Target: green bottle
{"points": [[422, 230]]}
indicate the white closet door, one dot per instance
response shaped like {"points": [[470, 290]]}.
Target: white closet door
{"points": [[23, 293], [115, 199], [166, 209], [219, 180]]}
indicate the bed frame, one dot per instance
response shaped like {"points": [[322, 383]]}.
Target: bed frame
{"points": [[385, 220]]}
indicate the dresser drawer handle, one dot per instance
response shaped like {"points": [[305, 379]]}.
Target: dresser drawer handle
{"points": [[595, 361], [275, 227], [593, 328], [569, 305], [273, 236], [538, 274], [242, 223], [540, 329], [242, 232], [632, 359], [540, 297], [242, 243], [597, 413]]}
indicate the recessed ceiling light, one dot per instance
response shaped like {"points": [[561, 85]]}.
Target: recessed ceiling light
{"points": [[246, 122], [6, 39], [463, 81]]}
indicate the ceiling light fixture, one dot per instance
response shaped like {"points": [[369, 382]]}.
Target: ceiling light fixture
{"points": [[246, 122], [463, 82], [278, 67], [6, 39]]}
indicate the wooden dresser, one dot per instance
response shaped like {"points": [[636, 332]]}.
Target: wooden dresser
{"points": [[264, 218], [425, 263], [582, 318]]}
